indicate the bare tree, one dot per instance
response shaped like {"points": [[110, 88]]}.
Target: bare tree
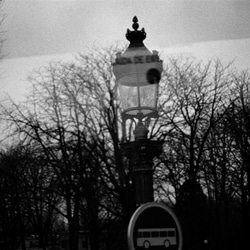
{"points": [[26, 203], [192, 97], [238, 122], [72, 114]]}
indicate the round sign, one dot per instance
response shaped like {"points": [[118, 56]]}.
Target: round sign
{"points": [[154, 226], [153, 76]]}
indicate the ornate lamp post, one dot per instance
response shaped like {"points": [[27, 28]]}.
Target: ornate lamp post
{"points": [[138, 72]]}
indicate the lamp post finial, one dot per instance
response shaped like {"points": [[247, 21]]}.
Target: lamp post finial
{"points": [[135, 23], [136, 36]]}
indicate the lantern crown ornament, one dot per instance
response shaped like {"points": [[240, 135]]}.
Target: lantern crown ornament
{"points": [[136, 36], [138, 73]]}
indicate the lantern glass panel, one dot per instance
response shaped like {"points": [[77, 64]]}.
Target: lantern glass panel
{"points": [[148, 95], [129, 96]]}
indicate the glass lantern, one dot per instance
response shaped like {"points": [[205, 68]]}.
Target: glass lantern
{"points": [[138, 73]]}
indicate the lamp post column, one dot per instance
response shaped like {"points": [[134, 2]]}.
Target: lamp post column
{"points": [[140, 154]]}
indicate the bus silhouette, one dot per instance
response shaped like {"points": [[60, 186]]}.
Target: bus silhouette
{"points": [[156, 237]]}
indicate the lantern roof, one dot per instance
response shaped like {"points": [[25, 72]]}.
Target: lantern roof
{"points": [[136, 37]]}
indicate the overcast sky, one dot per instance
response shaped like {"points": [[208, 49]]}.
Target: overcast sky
{"points": [[38, 31]]}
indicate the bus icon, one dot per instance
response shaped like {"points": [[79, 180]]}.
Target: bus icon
{"points": [[156, 237]]}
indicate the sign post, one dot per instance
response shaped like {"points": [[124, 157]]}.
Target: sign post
{"points": [[154, 226]]}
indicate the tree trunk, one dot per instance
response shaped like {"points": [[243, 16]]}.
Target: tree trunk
{"points": [[73, 234]]}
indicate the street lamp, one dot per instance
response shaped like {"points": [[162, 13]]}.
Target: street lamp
{"points": [[138, 72]]}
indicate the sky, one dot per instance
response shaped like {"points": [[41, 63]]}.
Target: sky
{"points": [[40, 31]]}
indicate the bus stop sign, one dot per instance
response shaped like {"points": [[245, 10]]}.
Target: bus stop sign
{"points": [[154, 226]]}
